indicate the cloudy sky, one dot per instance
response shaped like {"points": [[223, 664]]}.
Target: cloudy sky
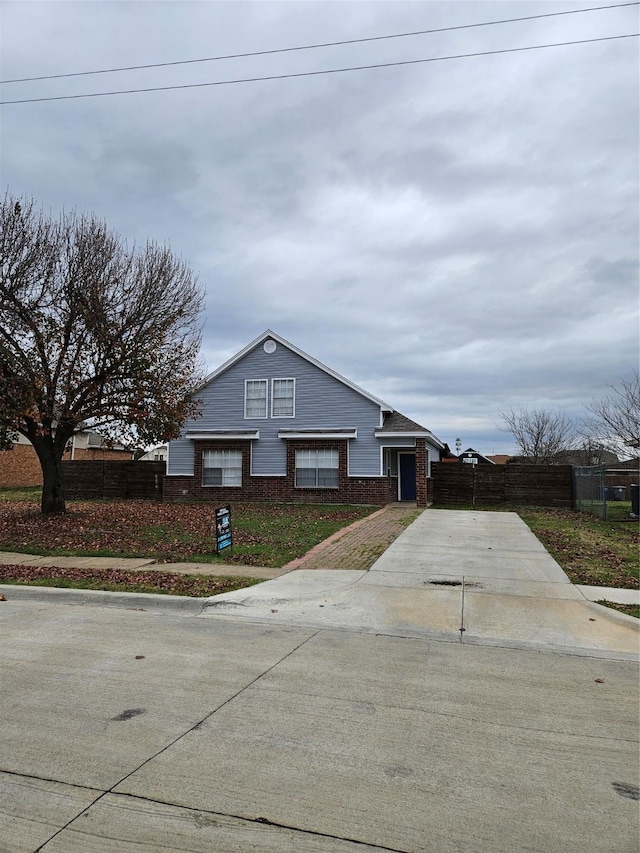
{"points": [[458, 236]]}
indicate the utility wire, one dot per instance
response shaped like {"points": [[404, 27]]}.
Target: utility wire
{"points": [[315, 46], [318, 73]]}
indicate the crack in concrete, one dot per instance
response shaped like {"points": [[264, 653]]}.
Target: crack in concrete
{"points": [[176, 739]]}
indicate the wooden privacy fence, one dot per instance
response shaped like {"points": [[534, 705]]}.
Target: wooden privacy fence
{"points": [[532, 485], [113, 479]]}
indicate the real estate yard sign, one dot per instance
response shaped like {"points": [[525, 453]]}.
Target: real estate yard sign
{"points": [[224, 537]]}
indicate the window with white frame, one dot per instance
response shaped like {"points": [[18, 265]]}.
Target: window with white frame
{"points": [[255, 398], [283, 396], [317, 469], [222, 468]]}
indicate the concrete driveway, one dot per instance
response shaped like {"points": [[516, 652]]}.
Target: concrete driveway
{"points": [[335, 719], [478, 577]]}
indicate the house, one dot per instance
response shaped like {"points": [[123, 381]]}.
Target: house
{"points": [[20, 466], [277, 425], [472, 457], [89, 444], [155, 454], [594, 454]]}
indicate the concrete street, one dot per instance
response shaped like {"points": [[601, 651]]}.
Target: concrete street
{"points": [[327, 711]]}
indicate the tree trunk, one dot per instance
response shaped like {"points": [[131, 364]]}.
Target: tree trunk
{"points": [[52, 488], [50, 450]]}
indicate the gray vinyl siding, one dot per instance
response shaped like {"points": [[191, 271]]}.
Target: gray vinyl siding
{"points": [[321, 402], [180, 457]]}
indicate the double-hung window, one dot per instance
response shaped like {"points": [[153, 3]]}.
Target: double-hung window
{"points": [[283, 396], [222, 468], [255, 398], [317, 469]]}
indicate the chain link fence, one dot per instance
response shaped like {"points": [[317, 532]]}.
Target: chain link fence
{"points": [[589, 490]]}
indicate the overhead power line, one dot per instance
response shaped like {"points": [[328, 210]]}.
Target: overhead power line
{"points": [[320, 45], [318, 73]]}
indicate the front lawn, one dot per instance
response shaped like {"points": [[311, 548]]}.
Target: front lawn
{"points": [[268, 535], [120, 580], [591, 551]]}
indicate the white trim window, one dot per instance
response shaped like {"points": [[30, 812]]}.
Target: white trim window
{"points": [[317, 469], [255, 398], [222, 468], [283, 398]]}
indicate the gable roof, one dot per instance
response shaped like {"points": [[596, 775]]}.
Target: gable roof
{"points": [[471, 452], [269, 334], [393, 422]]}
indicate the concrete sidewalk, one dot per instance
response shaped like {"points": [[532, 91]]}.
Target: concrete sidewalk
{"points": [[132, 564]]}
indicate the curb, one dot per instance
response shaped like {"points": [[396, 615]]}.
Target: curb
{"points": [[99, 598]]}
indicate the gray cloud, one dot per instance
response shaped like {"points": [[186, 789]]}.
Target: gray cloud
{"points": [[457, 237]]}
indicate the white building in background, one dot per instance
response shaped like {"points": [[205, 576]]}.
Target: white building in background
{"points": [[156, 454]]}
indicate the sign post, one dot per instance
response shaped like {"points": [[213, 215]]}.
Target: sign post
{"points": [[224, 536]]}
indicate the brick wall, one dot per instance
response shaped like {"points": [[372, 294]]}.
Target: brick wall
{"points": [[20, 467], [421, 472], [87, 454], [351, 490]]}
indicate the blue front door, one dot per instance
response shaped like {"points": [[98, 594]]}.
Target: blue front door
{"points": [[407, 476]]}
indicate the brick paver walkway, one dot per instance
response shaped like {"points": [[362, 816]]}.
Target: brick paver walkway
{"points": [[359, 545]]}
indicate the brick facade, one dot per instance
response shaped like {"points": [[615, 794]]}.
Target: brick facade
{"points": [[421, 472], [92, 454], [351, 490], [20, 467]]}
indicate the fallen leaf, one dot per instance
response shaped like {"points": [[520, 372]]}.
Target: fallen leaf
{"points": [[599, 680]]}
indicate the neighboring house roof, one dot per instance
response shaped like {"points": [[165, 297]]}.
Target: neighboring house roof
{"points": [[626, 465], [96, 441], [586, 457], [499, 458], [470, 452], [85, 439], [269, 334]]}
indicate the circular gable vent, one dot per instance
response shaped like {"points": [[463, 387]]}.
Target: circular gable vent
{"points": [[269, 346]]}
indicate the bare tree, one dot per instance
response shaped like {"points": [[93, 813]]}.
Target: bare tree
{"points": [[92, 333], [616, 421], [541, 434]]}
